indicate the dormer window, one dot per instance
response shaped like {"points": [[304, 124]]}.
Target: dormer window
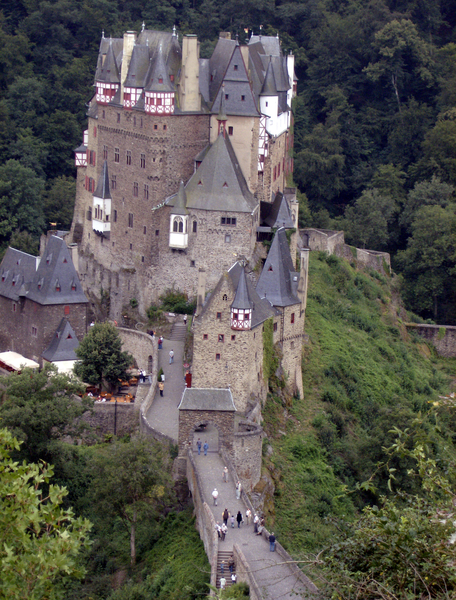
{"points": [[57, 286], [160, 80], [65, 261], [270, 268]]}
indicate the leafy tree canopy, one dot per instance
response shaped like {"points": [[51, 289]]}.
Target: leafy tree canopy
{"points": [[101, 359], [39, 407], [40, 542]]}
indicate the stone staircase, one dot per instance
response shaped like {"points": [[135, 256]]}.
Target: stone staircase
{"points": [[224, 555], [178, 332]]}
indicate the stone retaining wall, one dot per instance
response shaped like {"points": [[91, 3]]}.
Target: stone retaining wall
{"points": [[101, 420], [247, 453], [205, 521], [243, 573], [442, 337]]}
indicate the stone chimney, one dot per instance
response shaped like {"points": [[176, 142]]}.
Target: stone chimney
{"points": [[189, 96], [201, 293], [303, 278], [128, 45]]}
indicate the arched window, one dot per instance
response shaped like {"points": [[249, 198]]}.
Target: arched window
{"points": [[178, 225]]}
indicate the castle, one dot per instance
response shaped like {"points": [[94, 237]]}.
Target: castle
{"points": [[182, 172]]}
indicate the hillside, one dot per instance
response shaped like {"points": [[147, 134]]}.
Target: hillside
{"points": [[363, 374]]}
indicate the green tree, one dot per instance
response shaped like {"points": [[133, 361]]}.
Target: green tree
{"points": [[23, 240], [401, 549], [59, 202], [429, 261], [425, 193], [131, 481], [20, 200], [101, 359], [38, 407], [366, 222], [40, 542]]}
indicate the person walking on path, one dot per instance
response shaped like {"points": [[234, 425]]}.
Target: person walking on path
{"points": [[218, 530], [223, 530], [225, 516], [225, 474], [198, 445], [239, 518], [238, 490], [222, 583], [161, 387], [185, 319], [171, 356], [160, 342], [256, 522], [248, 515], [272, 541], [233, 578], [215, 496], [222, 567], [205, 448], [231, 564]]}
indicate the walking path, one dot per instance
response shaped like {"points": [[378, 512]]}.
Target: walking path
{"points": [[275, 579]]}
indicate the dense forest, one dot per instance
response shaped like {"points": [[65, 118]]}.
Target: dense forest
{"points": [[375, 124]]}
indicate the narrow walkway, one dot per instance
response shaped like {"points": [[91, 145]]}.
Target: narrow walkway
{"points": [[276, 580]]}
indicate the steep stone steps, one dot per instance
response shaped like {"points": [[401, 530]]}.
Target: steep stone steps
{"points": [[178, 332], [225, 556]]}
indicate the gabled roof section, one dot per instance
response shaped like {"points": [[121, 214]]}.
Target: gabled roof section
{"points": [[269, 87], [138, 67], [181, 201], [116, 45], [102, 190], [207, 399], [56, 281], [109, 71], [218, 64], [63, 344], [278, 281], [277, 214], [16, 270], [157, 78], [271, 44], [218, 183]]}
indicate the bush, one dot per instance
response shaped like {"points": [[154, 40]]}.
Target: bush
{"points": [[177, 302]]}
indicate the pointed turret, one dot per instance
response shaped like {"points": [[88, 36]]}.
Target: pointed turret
{"points": [[269, 85], [241, 308], [102, 203], [108, 80], [178, 230], [159, 89]]}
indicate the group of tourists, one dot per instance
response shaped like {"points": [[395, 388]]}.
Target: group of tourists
{"points": [[231, 567], [205, 446]]}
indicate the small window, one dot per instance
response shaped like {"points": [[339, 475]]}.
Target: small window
{"points": [[34, 331], [157, 232], [146, 191], [204, 336], [221, 338], [227, 238], [164, 127], [217, 357], [134, 121], [292, 317], [143, 161], [131, 246], [114, 182], [115, 216], [130, 220], [128, 157], [95, 131], [116, 155], [243, 98], [236, 67], [192, 263], [66, 310], [227, 96], [155, 126], [275, 326], [292, 345], [195, 226], [233, 338], [118, 117], [230, 130], [141, 123], [219, 315], [105, 152], [14, 307], [104, 114], [135, 189], [142, 258], [225, 297]]}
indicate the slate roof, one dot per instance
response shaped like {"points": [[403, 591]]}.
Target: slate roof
{"points": [[55, 270], [63, 344], [181, 201], [269, 87], [102, 190], [16, 270], [277, 214], [242, 298], [207, 399], [278, 281], [138, 67], [218, 64], [271, 44], [108, 46], [218, 183], [265, 57], [157, 77]]}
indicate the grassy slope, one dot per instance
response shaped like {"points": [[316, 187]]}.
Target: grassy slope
{"points": [[362, 375]]}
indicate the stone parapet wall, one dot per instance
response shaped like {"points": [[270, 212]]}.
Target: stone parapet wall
{"points": [[101, 420], [244, 573], [142, 346], [247, 453], [204, 518], [442, 337]]}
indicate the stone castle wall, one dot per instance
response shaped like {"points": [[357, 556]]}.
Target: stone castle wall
{"points": [[189, 419], [442, 337], [247, 454], [235, 362], [292, 347]]}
